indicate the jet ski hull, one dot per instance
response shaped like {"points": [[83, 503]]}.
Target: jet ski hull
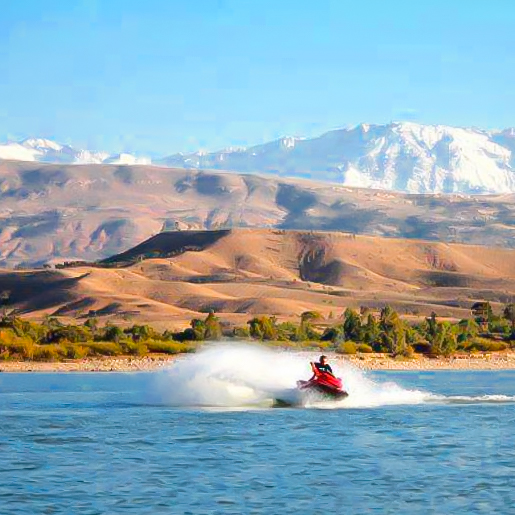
{"points": [[326, 387]]}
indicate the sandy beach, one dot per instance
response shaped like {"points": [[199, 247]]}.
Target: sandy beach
{"points": [[486, 361], [118, 364]]}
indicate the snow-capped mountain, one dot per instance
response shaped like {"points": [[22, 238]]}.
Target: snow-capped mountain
{"points": [[48, 151], [127, 159], [403, 156]]}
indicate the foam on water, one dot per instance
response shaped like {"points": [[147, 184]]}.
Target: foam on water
{"points": [[247, 375], [470, 399]]}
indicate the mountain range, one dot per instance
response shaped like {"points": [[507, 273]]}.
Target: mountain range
{"points": [[401, 156], [405, 157], [47, 151]]}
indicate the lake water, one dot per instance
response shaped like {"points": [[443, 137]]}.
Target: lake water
{"points": [[105, 443]]}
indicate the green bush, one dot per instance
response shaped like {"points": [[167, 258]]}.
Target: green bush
{"points": [[365, 348], [311, 315], [171, 347], [263, 328], [241, 332], [112, 333], [333, 334], [422, 347], [140, 332], [485, 345], [104, 349], [134, 348], [49, 352], [20, 349], [322, 345], [70, 333], [76, 351], [408, 352], [310, 344], [282, 344], [346, 348]]}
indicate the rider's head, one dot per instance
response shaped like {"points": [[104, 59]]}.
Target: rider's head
{"points": [[323, 359]]}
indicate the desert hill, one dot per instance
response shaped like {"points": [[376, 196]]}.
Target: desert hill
{"points": [[53, 213], [243, 272]]}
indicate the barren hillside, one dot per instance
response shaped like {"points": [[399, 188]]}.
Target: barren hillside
{"points": [[89, 212], [244, 272]]}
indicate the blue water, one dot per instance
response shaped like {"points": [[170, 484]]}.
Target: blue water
{"points": [[96, 443]]}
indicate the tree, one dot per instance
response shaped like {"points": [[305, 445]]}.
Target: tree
{"points": [[352, 325], [263, 328], [23, 328], [467, 329], [140, 332], [305, 332], [393, 336], [51, 322], [441, 336], [241, 332], [213, 328], [92, 323], [5, 300], [444, 342], [432, 327], [371, 330], [334, 334], [310, 315], [113, 333], [483, 313], [199, 329], [509, 314], [69, 333], [286, 331]]}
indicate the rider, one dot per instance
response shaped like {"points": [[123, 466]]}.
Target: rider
{"points": [[321, 366]]}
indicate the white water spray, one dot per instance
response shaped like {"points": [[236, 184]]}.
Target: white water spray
{"points": [[247, 375]]}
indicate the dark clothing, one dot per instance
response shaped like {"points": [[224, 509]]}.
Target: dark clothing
{"points": [[324, 368]]}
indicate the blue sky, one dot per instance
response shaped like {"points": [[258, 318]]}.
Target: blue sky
{"points": [[178, 75]]}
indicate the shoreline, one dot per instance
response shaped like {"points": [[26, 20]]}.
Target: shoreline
{"points": [[486, 361]]}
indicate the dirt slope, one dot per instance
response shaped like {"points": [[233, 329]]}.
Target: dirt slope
{"points": [[90, 212], [243, 272]]}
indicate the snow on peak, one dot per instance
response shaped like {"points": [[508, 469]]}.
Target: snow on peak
{"points": [[288, 142], [49, 151], [87, 157], [41, 144], [17, 152], [401, 156], [127, 159]]}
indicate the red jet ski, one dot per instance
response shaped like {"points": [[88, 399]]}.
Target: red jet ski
{"points": [[324, 383]]}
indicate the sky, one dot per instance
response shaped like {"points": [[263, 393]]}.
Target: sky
{"points": [[165, 76]]}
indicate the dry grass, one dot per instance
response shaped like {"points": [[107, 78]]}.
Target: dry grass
{"points": [[248, 272], [94, 211]]}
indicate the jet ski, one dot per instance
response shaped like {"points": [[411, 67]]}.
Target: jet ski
{"points": [[324, 384]]}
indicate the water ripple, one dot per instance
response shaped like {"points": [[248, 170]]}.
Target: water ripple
{"points": [[70, 452]]}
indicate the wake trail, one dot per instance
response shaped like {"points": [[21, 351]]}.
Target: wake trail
{"points": [[473, 399], [243, 375], [251, 376]]}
